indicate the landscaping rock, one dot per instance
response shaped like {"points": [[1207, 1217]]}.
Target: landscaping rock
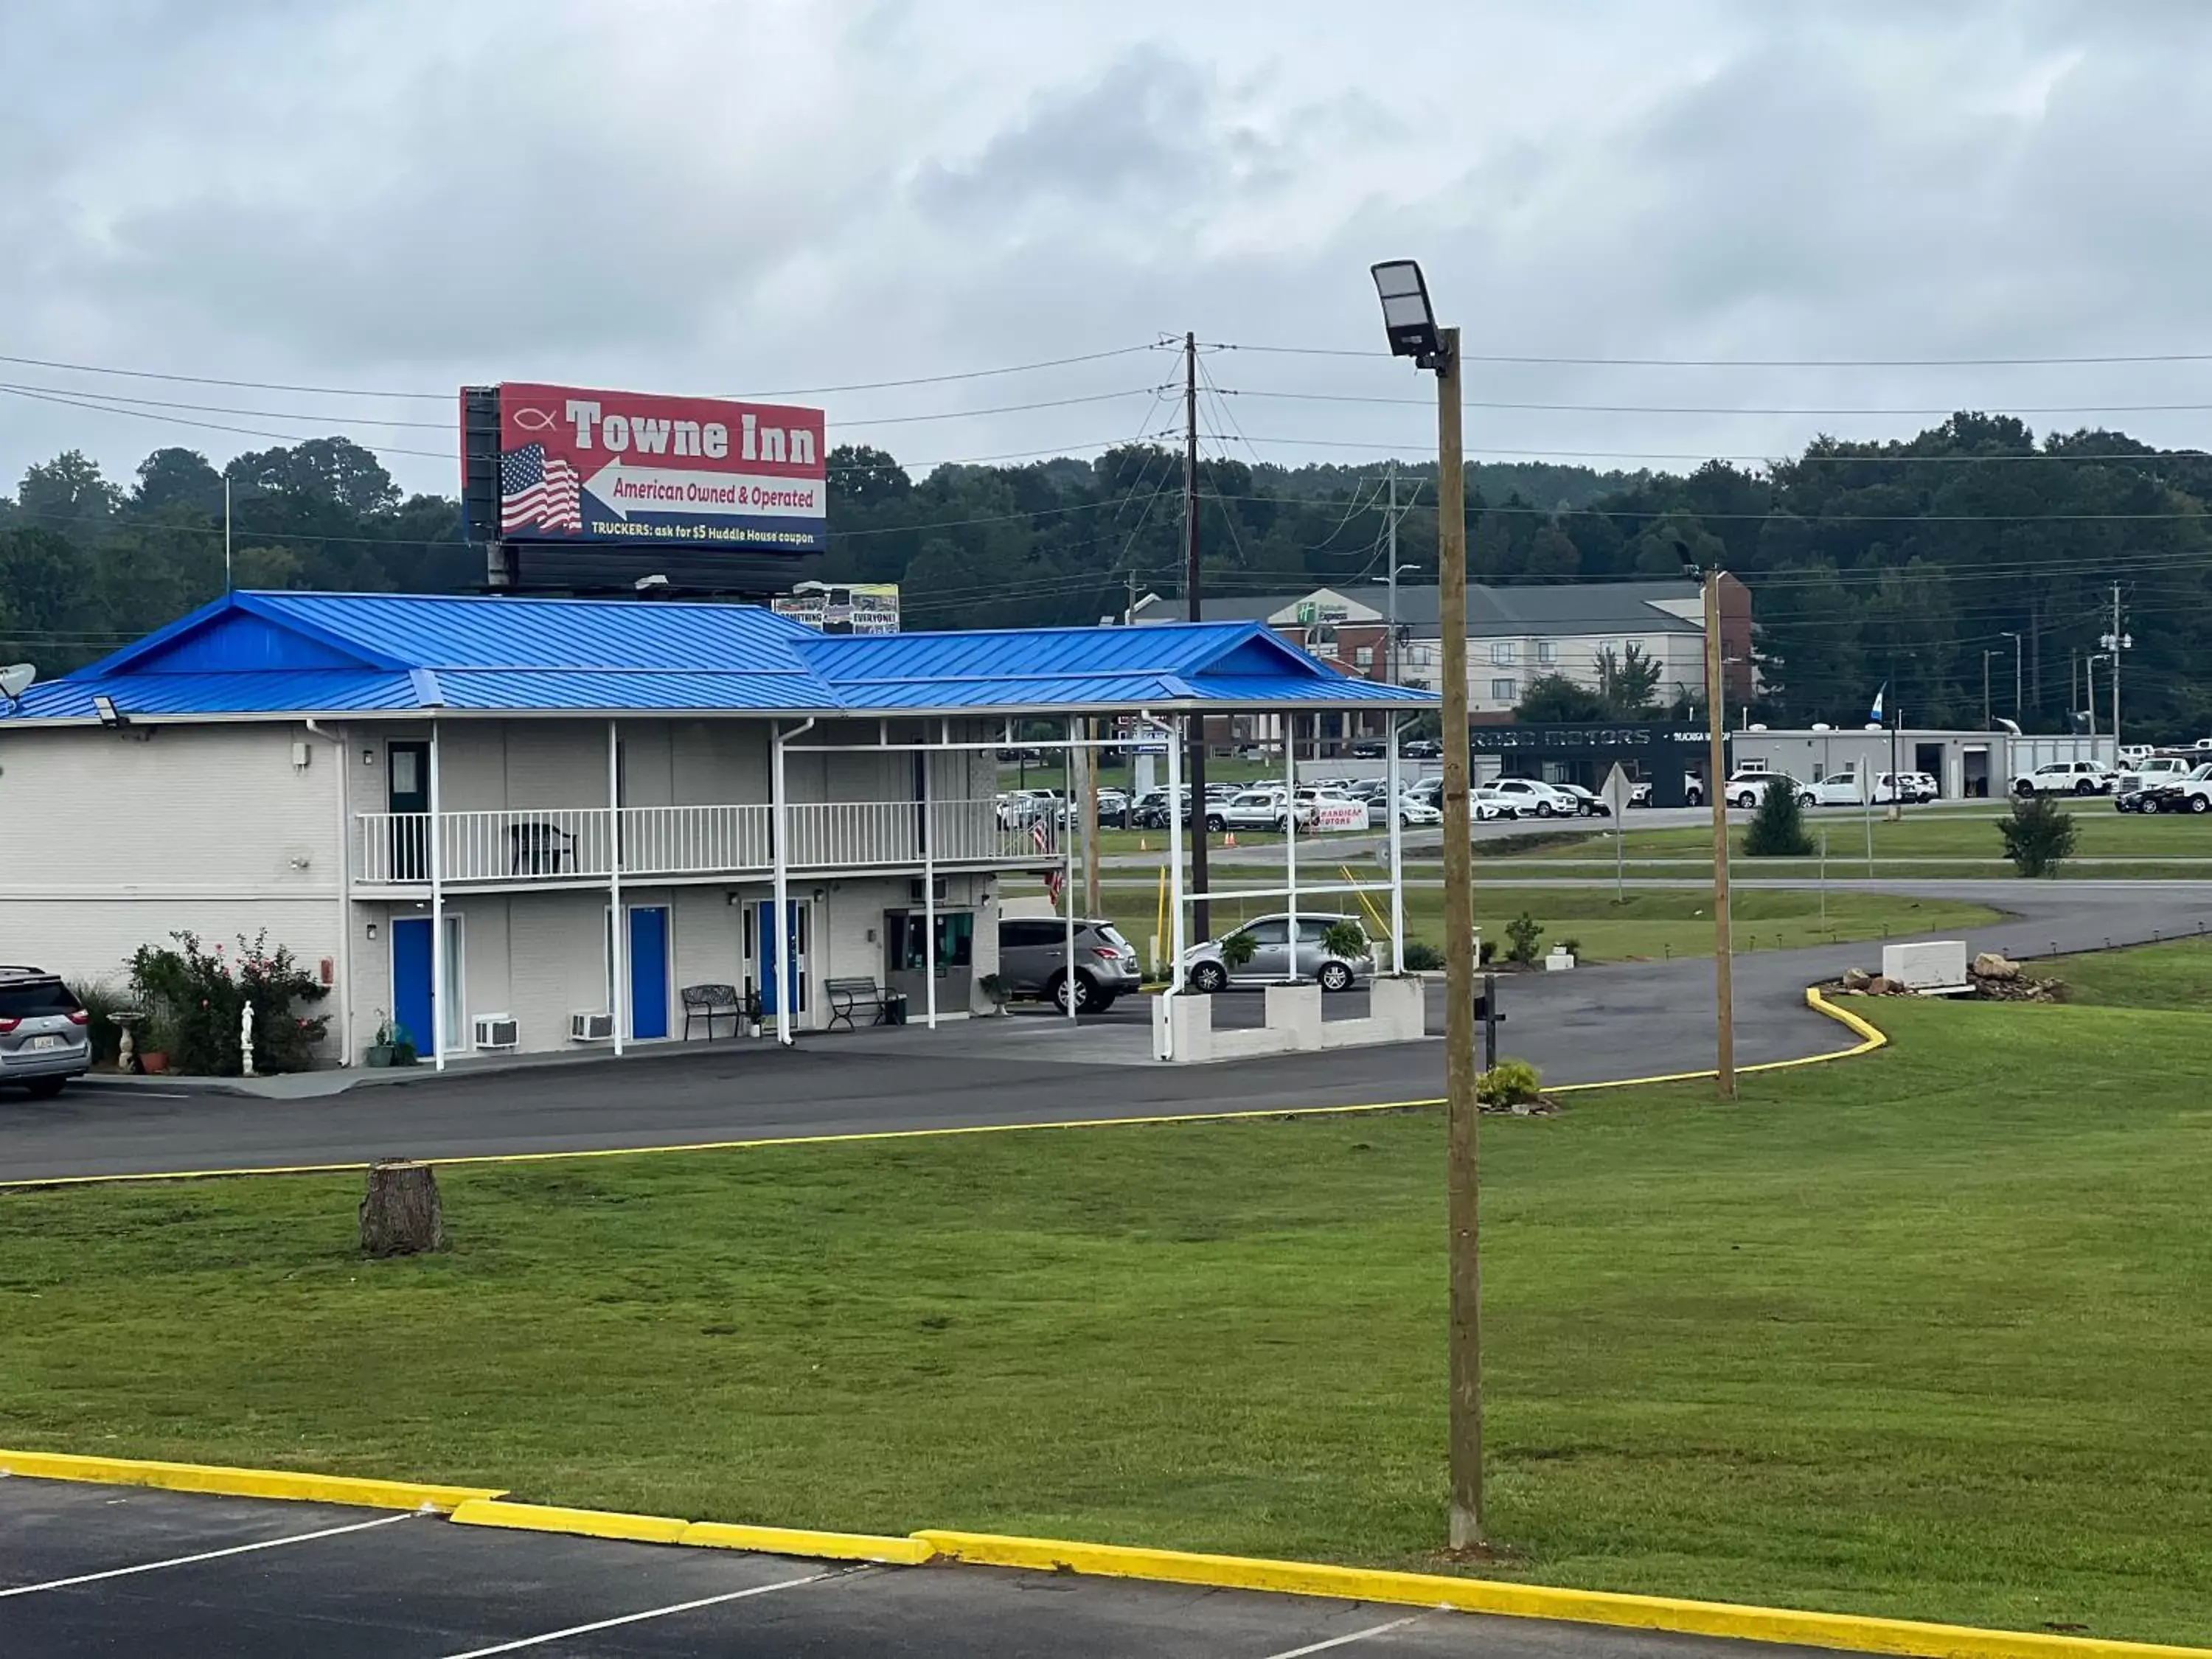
{"points": [[1878, 986], [1990, 965], [1856, 979]]}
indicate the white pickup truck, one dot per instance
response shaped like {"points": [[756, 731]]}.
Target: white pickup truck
{"points": [[2077, 777]]}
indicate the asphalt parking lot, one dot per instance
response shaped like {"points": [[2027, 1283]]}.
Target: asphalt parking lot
{"points": [[109, 1570]]}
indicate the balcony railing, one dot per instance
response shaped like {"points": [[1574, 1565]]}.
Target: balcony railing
{"points": [[549, 844]]}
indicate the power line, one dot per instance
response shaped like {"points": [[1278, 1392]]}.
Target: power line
{"points": [[1699, 409], [449, 396], [1741, 362]]}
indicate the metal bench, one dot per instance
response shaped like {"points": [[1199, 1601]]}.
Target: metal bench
{"points": [[847, 996], [712, 1002]]}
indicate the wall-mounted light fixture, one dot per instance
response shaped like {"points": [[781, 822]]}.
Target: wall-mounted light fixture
{"points": [[110, 716]]}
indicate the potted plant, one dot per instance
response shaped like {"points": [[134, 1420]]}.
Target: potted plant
{"points": [[382, 1045], [994, 986], [154, 1054]]}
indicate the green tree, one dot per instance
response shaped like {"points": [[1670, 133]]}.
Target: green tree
{"points": [[176, 478], [68, 494], [2038, 836], [1777, 830], [1555, 699], [1627, 682]]}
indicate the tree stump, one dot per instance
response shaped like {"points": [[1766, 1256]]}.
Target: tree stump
{"points": [[400, 1213]]}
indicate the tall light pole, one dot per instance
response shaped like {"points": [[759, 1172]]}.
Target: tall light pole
{"points": [[1411, 324], [2017, 683], [1986, 654], [2114, 643]]}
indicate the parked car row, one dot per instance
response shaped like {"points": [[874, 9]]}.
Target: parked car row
{"points": [[1034, 958]]}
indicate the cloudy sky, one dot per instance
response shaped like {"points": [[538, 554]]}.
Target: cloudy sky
{"points": [[762, 196]]}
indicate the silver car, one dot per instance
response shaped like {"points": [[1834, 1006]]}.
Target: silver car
{"points": [[45, 1036], [1205, 967]]}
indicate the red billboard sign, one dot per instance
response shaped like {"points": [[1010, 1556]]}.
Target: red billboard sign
{"points": [[583, 466]]}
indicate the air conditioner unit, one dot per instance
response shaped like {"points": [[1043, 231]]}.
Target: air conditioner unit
{"points": [[591, 1028], [497, 1032]]}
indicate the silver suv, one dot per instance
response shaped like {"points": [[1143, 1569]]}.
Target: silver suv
{"points": [[1206, 965], [1033, 962], [45, 1036]]}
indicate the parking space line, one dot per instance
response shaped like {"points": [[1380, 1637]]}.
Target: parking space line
{"points": [[204, 1555], [1347, 1641], [654, 1613]]}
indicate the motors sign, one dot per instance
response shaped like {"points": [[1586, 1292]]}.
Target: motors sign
{"points": [[583, 466]]}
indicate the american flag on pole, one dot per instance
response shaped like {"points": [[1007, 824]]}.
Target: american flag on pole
{"points": [[1041, 837], [536, 493]]}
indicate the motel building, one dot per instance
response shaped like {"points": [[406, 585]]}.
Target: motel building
{"points": [[527, 825]]}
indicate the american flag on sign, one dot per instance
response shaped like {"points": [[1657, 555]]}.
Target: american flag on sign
{"points": [[536, 493]]}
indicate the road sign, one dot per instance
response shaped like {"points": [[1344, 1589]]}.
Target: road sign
{"points": [[1617, 790]]}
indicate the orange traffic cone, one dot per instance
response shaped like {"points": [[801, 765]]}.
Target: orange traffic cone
{"points": [[1229, 840]]}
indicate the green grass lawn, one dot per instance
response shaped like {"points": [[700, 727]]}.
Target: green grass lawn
{"points": [[1920, 1334], [2177, 976], [1921, 833], [1650, 925]]}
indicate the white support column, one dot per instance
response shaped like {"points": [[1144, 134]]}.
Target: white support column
{"points": [[437, 911], [1397, 858], [1176, 816], [1067, 855], [1290, 838], [618, 936], [780, 836], [928, 887]]}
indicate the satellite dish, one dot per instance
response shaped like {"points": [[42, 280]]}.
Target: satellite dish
{"points": [[16, 679]]}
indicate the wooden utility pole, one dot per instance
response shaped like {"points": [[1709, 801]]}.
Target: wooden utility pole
{"points": [[1716, 793], [1463, 1143], [1200, 912]]}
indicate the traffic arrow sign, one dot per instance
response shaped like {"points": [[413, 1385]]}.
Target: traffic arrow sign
{"points": [[627, 489]]}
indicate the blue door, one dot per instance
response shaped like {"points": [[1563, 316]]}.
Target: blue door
{"points": [[648, 971], [412, 1003], [795, 939]]}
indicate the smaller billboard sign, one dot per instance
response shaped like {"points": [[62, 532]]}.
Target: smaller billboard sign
{"points": [[1339, 815], [842, 607], [632, 468]]}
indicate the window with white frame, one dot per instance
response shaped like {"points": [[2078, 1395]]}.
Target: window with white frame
{"points": [[1363, 656], [1501, 650], [1505, 690], [1547, 652]]}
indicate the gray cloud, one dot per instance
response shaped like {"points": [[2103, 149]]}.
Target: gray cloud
{"points": [[700, 196]]}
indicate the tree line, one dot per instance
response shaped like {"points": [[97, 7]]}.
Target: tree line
{"points": [[1974, 549]]}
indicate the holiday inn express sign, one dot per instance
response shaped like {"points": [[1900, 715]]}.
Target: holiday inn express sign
{"points": [[575, 465]]}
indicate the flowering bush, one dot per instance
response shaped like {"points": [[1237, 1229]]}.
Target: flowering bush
{"points": [[197, 998]]}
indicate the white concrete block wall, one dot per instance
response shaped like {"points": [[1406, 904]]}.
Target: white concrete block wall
{"points": [[108, 842]]}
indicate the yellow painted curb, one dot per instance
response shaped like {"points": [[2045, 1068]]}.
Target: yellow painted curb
{"points": [[1819, 1629], [799, 1540], [581, 1523], [241, 1483]]}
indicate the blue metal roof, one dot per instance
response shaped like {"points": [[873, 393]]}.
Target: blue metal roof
{"points": [[302, 653]]}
